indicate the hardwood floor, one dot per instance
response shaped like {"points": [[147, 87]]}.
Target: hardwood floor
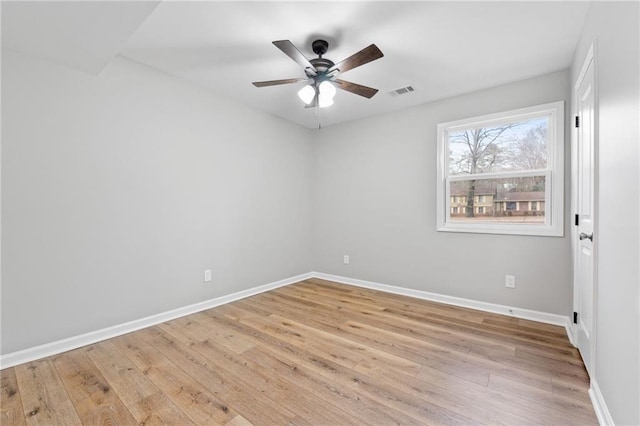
{"points": [[313, 353]]}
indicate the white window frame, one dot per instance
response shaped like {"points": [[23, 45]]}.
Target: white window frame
{"points": [[554, 172]]}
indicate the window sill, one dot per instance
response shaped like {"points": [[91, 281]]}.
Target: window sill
{"points": [[541, 230]]}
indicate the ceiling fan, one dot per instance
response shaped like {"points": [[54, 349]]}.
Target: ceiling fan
{"points": [[321, 73]]}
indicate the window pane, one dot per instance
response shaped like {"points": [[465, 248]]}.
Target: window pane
{"points": [[510, 147], [504, 200]]}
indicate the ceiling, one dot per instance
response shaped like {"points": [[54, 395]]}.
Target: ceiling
{"points": [[442, 49], [80, 35]]}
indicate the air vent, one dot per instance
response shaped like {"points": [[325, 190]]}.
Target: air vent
{"points": [[402, 91]]}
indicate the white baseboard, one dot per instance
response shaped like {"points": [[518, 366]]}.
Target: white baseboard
{"points": [[451, 300], [600, 407], [53, 348], [571, 333]]}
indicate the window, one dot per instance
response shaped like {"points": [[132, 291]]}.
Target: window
{"points": [[515, 160]]}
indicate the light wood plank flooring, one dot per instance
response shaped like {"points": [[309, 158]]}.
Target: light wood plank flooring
{"points": [[313, 353]]}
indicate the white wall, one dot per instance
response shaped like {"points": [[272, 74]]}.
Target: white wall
{"points": [[375, 200], [118, 190], [615, 29]]}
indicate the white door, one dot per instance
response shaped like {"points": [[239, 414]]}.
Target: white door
{"points": [[585, 284]]}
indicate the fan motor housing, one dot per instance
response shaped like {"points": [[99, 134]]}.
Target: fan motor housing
{"points": [[321, 64]]}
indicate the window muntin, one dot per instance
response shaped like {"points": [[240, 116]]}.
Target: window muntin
{"points": [[503, 173]]}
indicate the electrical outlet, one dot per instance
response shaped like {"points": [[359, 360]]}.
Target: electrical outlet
{"points": [[207, 275], [346, 259], [510, 281]]}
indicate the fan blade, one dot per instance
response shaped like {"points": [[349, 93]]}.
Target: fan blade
{"points": [[291, 51], [366, 55], [358, 89], [277, 82]]}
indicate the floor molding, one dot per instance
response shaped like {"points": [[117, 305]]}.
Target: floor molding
{"points": [[543, 317], [53, 348], [571, 330], [600, 407]]}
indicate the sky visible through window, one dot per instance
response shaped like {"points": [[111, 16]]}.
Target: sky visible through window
{"points": [[510, 147]]}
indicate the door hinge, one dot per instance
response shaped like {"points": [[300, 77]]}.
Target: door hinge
{"points": [[577, 121], [575, 317], [576, 221]]}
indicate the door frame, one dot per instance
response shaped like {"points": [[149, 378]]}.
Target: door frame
{"points": [[590, 57]]}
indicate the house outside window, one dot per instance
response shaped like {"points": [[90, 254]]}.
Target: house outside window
{"points": [[503, 172]]}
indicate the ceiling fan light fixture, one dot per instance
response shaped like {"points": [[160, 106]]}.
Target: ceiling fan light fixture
{"points": [[324, 100], [327, 89], [307, 93], [326, 93]]}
